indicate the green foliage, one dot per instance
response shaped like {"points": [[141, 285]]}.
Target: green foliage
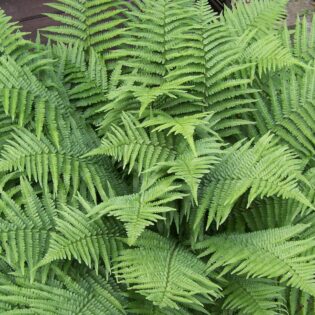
{"points": [[157, 158], [266, 169], [253, 296], [270, 253], [76, 291], [182, 278], [86, 241], [141, 209], [98, 24]]}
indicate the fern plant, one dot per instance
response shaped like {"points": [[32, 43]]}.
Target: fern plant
{"points": [[158, 158]]}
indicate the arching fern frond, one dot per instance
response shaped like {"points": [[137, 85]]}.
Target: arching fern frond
{"points": [[264, 15], [23, 94], [142, 209], [191, 168], [12, 42], [266, 169], [81, 292], [286, 106], [25, 229], [97, 23], [269, 54], [40, 161], [184, 126], [303, 43], [271, 213], [89, 84], [165, 273], [160, 27], [134, 145], [270, 253], [88, 241], [253, 296]]}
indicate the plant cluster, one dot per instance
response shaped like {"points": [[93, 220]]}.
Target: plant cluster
{"points": [[157, 158]]}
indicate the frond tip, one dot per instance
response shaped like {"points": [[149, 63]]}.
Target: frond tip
{"points": [[137, 211]]}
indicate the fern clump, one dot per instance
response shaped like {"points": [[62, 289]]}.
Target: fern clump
{"points": [[158, 158]]}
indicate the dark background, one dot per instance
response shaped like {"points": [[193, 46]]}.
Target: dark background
{"points": [[28, 12]]}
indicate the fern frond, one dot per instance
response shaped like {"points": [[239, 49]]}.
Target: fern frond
{"points": [[165, 273], [264, 15], [299, 302], [270, 253], [134, 145], [272, 212], [192, 168], [266, 169], [286, 107], [22, 92], [6, 127], [77, 237], [269, 54], [40, 161], [25, 230], [142, 209], [12, 42], [160, 28], [98, 24], [81, 292], [253, 296], [184, 126], [303, 43], [141, 306]]}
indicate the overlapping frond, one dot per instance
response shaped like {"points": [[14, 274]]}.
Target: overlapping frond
{"points": [[41, 161], [286, 106], [123, 149], [23, 96], [303, 43], [192, 167], [264, 15], [142, 209], [165, 273], [78, 291], [98, 23], [25, 229], [77, 237], [253, 296], [12, 42], [274, 253], [265, 170], [135, 146], [184, 126], [87, 80]]}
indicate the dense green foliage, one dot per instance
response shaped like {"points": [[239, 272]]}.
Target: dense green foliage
{"points": [[157, 158]]}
